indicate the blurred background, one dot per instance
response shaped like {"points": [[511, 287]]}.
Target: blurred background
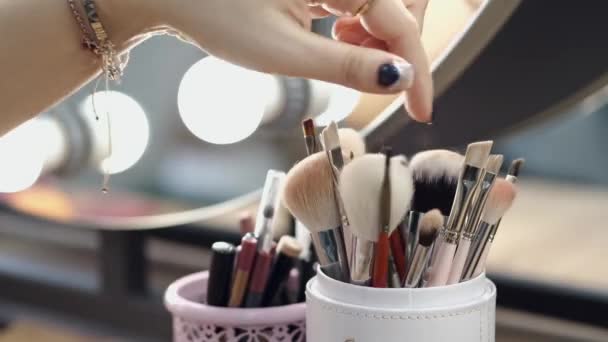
{"points": [[191, 150]]}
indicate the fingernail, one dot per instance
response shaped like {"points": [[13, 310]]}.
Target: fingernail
{"points": [[396, 75]]}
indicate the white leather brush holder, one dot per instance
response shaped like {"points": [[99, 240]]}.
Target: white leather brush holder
{"points": [[341, 312]]}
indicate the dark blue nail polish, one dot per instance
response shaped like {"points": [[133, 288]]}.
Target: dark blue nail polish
{"points": [[388, 75]]}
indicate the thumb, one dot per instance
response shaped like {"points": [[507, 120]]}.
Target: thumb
{"points": [[365, 69]]}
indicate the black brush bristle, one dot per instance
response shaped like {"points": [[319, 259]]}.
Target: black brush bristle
{"points": [[427, 236], [434, 193], [516, 166]]}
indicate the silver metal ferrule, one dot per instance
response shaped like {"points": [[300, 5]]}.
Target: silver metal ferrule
{"points": [[483, 238], [478, 205], [331, 251], [310, 142], [362, 253], [493, 229], [417, 267], [468, 182]]}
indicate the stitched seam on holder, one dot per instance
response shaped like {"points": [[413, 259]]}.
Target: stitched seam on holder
{"points": [[327, 307]]}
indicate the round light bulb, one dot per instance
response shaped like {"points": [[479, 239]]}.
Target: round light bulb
{"points": [[222, 103], [128, 127], [22, 156], [341, 103]]}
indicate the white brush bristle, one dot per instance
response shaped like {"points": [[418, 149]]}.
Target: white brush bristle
{"points": [[430, 223], [361, 189], [402, 190], [477, 153], [351, 141], [494, 163], [434, 164], [330, 137], [500, 200], [308, 193], [361, 183]]}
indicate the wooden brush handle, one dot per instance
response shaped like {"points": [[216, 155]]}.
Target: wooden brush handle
{"points": [[380, 273], [398, 251]]}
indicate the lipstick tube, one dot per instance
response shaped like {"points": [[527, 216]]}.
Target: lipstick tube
{"points": [[218, 285]]}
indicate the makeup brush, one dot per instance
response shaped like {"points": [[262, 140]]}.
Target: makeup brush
{"points": [[483, 231], [468, 234], [468, 181], [435, 175], [331, 143], [514, 170], [270, 201], [307, 260], [501, 198], [435, 179], [310, 137], [381, 257], [309, 195], [288, 250], [352, 142], [361, 186], [430, 224]]}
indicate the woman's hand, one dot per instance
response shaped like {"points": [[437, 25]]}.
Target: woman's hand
{"points": [[378, 52]]}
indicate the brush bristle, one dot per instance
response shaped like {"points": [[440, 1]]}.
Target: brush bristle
{"points": [[430, 224], [330, 137], [500, 200], [351, 141], [516, 166], [402, 190], [289, 246], [435, 178], [361, 188], [494, 163], [308, 126], [308, 193], [477, 153]]}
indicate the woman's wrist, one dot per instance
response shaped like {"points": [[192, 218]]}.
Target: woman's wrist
{"points": [[130, 22]]}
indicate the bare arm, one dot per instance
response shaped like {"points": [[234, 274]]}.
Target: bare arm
{"points": [[41, 59]]}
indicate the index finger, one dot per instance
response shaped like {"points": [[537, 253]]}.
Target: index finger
{"points": [[390, 21]]}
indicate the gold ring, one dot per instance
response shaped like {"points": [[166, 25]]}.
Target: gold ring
{"points": [[364, 8]]}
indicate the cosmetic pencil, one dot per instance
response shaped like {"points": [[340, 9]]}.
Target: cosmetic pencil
{"points": [[288, 251], [218, 285], [261, 268], [244, 264]]}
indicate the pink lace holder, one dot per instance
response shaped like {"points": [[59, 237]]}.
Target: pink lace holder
{"points": [[194, 321]]}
